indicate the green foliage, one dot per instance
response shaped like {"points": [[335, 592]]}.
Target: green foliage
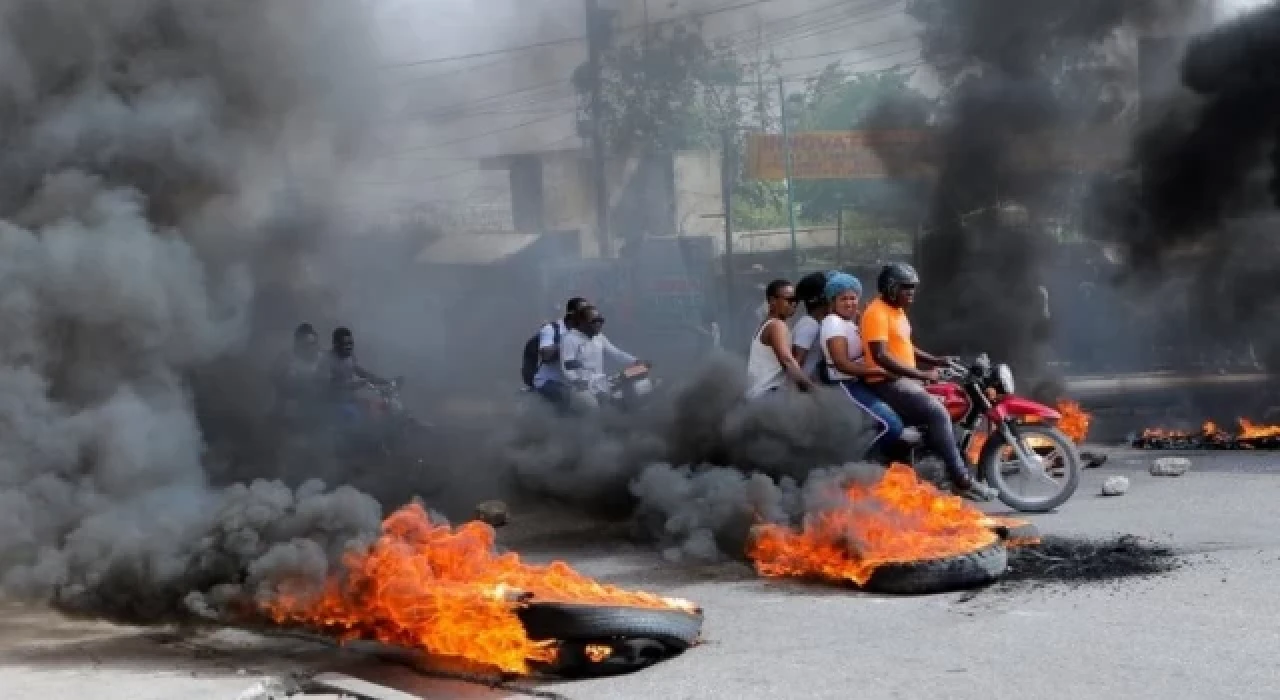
{"points": [[667, 91]]}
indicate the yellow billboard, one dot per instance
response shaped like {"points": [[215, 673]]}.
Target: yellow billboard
{"points": [[912, 154]]}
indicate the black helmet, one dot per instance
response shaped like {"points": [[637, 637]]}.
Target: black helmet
{"points": [[893, 276]]}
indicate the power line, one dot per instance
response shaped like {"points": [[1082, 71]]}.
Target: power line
{"points": [[563, 40], [840, 52]]}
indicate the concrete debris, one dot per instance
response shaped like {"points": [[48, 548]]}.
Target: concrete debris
{"points": [[1170, 466], [1115, 486], [492, 512], [270, 689]]}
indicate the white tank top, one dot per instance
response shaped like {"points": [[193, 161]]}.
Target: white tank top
{"points": [[764, 372]]}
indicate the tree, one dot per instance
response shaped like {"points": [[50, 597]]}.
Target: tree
{"points": [[669, 90]]}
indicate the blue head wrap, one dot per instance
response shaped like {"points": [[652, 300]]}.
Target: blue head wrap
{"points": [[839, 283]]}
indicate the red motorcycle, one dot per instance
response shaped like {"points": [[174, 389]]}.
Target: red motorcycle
{"points": [[1016, 439]]}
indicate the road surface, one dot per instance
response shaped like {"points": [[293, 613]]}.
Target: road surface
{"points": [[1205, 631]]}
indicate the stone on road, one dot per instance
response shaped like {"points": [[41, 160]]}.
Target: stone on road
{"points": [[1115, 486], [1170, 466]]}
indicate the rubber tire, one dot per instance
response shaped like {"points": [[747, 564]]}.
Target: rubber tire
{"points": [[675, 629], [991, 452], [971, 570]]}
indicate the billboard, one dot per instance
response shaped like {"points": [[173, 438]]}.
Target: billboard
{"points": [[913, 154]]}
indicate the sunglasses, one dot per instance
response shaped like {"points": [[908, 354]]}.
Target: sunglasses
{"points": [[596, 322]]}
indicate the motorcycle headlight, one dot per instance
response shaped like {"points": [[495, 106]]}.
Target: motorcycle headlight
{"points": [[1004, 379]]}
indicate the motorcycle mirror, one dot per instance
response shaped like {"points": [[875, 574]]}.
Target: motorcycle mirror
{"points": [[572, 364]]}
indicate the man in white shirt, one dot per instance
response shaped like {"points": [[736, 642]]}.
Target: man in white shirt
{"points": [[549, 381], [583, 351]]}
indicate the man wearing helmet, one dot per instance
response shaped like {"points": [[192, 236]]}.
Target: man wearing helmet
{"points": [[886, 337]]}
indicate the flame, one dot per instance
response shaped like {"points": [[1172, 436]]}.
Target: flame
{"points": [[1074, 424], [1246, 436], [597, 652], [898, 519], [427, 586]]}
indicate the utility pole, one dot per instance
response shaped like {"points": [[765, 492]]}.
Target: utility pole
{"points": [[728, 171], [595, 35], [786, 153]]}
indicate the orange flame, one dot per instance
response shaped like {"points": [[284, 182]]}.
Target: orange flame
{"points": [[898, 519], [1211, 433], [427, 586], [1074, 424]]}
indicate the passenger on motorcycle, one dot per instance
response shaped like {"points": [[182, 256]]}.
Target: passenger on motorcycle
{"points": [[346, 376], [549, 382], [297, 377], [886, 334], [804, 336], [583, 351], [769, 361], [843, 359]]}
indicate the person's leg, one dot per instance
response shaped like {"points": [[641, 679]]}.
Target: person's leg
{"points": [[918, 407], [887, 420], [556, 393]]}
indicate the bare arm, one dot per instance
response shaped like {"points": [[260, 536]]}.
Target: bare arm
{"points": [[927, 360], [779, 340], [838, 347], [880, 353]]}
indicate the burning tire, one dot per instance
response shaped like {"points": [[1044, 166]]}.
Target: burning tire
{"points": [[676, 629], [606, 639], [1063, 461], [977, 568]]}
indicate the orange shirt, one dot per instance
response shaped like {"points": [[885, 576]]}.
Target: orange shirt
{"points": [[882, 323]]}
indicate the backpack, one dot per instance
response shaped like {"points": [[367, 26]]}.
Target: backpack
{"points": [[531, 360]]}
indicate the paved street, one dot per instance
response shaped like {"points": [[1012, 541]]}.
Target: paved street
{"points": [[1205, 631]]}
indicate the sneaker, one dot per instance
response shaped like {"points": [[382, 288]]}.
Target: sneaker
{"points": [[977, 491], [911, 435]]}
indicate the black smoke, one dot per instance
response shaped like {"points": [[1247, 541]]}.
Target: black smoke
{"points": [[1197, 204], [1013, 75]]}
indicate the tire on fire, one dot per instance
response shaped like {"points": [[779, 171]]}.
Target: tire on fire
{"points": [[675, 629], [989, 460], [976, 568]]}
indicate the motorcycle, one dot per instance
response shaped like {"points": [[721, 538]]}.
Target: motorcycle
{"points": [[627, 390], [1016, 436], [393, 430]]}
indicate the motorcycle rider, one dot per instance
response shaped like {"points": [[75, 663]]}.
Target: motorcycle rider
{"points": [[843, 356], [769, 361], [582, 354], [297, 376], [346, 375], [886, 335], [549, 381], [804, 335]]}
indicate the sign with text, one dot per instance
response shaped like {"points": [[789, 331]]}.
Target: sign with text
{"points": [[914, 154]]}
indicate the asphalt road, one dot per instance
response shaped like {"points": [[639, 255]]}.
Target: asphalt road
{"points": [[1207, 630]]}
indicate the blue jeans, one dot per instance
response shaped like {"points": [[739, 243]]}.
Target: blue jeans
{"points": [[556, 393], [891, 425]]}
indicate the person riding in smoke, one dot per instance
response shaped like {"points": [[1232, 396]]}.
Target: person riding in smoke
{"points": [[549, 381], [843, 357], [770, 362], [345, 374], [297, 375], [583, 351], [804, 336], [899, 381]]}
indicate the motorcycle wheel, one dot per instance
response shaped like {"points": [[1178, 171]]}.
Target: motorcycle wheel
{"points": [[997, 469]]}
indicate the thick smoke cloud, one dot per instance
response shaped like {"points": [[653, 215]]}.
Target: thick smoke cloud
{"points": [[698, 467], [1196, 205], [139, 202], [1013, 74]]}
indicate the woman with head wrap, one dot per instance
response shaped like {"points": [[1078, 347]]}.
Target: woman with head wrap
{"points": [[842, 355]]}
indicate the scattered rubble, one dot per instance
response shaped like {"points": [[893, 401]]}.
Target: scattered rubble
{"points": [[1170, 466], [1076, 561], [1115, 486]]}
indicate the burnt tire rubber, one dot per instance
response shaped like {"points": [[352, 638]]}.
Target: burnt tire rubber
{"points": [[1017, 533], [675, 629], [977, 568]]}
